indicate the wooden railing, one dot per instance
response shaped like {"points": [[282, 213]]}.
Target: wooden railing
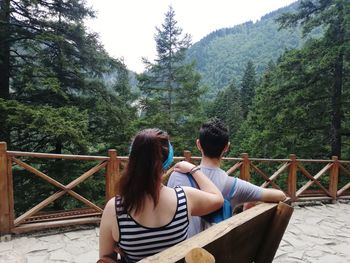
{"points": [[284, 174]]}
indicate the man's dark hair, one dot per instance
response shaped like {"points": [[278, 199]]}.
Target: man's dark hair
{"points": [[213, 137]]}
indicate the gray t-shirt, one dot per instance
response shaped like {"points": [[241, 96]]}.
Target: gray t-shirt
{"points": [[244, 192]]}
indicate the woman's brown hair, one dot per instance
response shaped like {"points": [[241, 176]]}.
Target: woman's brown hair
{"points": [[143, 173]]}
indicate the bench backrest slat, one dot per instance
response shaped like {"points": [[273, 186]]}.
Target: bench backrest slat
{"points": [[250, 236]]}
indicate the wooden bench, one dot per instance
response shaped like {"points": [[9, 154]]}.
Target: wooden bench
{"points": [[251, 236]]}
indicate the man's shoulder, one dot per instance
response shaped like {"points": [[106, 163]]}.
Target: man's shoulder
{"points": [[176, 174], [177, 178], [213, 170]]}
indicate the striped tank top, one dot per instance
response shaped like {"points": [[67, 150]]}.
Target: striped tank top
{"points": [[138, 242]]}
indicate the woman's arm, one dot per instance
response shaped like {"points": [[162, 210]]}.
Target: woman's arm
{"points": [[108, 222], [205, 200]]}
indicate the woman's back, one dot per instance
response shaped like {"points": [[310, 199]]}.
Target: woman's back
{"points": [[167, 227]]}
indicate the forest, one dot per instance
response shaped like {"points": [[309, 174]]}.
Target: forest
{"points": [[222, 54], [60, 91]]}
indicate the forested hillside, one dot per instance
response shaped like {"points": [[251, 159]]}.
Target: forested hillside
{"points": [[302, 103], [222, 55]]}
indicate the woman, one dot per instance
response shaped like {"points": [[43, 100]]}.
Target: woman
{"points": [[148, 217]]}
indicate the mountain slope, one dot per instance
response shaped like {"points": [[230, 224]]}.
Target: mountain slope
{"points": [[222, 55]]}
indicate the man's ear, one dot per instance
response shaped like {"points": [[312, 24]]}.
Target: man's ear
{"points": [[227, 147], [199, 147]]}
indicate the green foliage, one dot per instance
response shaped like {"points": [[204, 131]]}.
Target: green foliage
{"points": [[56, 63], [40, 127], [285, 116]]}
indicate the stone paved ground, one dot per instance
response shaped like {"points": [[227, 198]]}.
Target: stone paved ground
{"points": [[315, 234]]}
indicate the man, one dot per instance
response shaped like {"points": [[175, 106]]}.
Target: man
{"points": [[213, 142]]}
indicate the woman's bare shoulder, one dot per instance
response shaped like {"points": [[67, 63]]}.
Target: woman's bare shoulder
{"points": [[110, 207]]}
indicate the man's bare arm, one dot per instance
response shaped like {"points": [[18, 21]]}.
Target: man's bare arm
{"points": [[272, 195]]}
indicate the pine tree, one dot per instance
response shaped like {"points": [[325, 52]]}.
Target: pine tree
{"points": [[334, 16], [170, 86], [227, 107], [54, 62], [248, 86]]}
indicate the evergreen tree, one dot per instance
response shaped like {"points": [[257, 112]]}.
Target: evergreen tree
{"points": [[302, 104], [44, 54], [113, 115], [291, 110], [334, 16], [53, 61], [248, 86], [170, 86], [227, 107]]}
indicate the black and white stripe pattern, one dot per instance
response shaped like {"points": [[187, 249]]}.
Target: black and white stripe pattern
{"points": [[138, 242]]}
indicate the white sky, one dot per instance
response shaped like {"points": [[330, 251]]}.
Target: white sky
{"points": [[127, 27]]}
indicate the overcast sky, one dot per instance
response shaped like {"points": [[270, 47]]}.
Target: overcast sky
{"points": [[127, 27]]}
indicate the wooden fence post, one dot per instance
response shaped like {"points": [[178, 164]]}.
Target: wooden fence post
{"points": [[333, 179], [292, 178], [245, 168], [112, 174], [188, 156], [6, 194]]}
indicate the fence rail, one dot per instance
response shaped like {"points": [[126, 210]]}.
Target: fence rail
{"points": [[290, 175]]}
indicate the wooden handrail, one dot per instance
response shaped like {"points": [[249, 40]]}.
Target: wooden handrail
{"points": [[58, 156]]}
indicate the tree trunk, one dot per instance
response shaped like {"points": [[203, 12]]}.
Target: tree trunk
{"points": [[336, 108], [339, 40], [4, 66], [4, 50], [58, 147]]}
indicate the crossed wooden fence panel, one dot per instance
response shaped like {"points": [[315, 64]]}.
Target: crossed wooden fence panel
{"points": [[63, 189], [274, 176], [313, 179], [294, 193], [114, 164], [347, 186]]}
